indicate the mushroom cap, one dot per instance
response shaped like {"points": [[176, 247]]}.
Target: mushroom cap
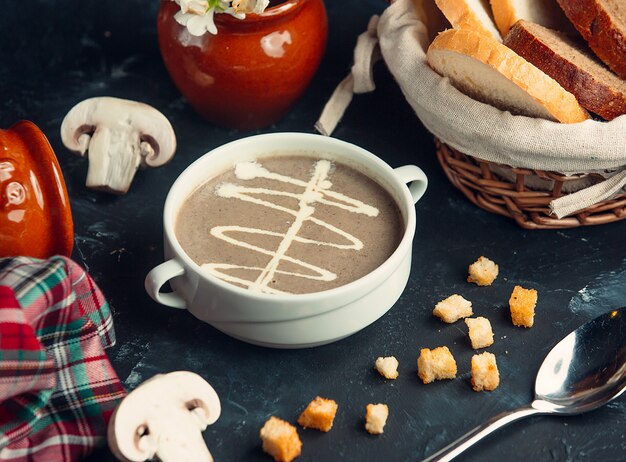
{"points": [[164, 398], [120, 114]]}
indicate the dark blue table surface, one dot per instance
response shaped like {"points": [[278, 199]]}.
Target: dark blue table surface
{"points": [[54, 54]]}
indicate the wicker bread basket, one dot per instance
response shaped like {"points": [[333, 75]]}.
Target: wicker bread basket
{"points": [[527, 169], [528, 207], [543, 174]]}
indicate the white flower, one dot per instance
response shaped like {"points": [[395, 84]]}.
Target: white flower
{"points": [[260, 6], [250, 6], [197, 24], [193, 6], [197, 15], [231, 11]]}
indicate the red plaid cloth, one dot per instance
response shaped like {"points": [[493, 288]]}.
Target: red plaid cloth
{"points": [[57, 387]]}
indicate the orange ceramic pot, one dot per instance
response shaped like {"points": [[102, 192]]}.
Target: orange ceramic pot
{"points": [[251, 73], [35, 215]]}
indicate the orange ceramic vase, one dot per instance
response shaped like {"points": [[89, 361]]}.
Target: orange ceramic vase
{"points": [[252, 72], [35, 215]]}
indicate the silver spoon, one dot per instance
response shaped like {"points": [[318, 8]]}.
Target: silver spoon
{"points": [[584, 371]]}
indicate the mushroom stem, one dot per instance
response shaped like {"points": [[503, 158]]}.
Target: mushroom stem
{"points": [[194, 449], [114, 157]]}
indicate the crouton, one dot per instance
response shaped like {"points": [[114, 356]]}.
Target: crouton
{"points": [[280, 440], [480, 332], [437, 364], [453, 308], [376, 418], [387, 367], [522, 305], [319, 414], [485, 375], [482, 272]]}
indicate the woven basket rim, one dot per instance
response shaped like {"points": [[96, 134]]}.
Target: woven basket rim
{"points": [[529, 208]]}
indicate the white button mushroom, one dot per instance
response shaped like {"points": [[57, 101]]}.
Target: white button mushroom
{"points": [[164, 418], [118, 136]]}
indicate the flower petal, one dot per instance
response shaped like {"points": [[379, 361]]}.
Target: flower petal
{"points": [[182, 18], [260, 6], [210, 24], [231, 11], [196, 25]]}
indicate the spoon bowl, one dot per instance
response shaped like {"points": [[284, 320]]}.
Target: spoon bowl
{"points": [[584, 371]]}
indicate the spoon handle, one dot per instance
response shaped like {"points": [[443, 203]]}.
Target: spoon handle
{"points": [[451, 451]]}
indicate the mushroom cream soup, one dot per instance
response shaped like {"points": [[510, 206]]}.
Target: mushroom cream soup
{"points": [[289, 224]]}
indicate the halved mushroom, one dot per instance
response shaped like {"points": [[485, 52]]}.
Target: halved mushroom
{"points": [[164, 418], [118, 136]]}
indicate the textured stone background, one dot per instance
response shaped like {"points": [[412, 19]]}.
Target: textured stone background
{"points": [[57, 53]]}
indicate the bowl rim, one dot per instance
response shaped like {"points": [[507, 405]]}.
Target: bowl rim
{"points": [[366, 283]]}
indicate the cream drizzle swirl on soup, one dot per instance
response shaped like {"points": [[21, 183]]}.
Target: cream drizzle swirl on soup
{"points": [[289, 224]]}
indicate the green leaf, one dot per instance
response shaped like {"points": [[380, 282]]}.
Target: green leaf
{"points": [[216, 5]]}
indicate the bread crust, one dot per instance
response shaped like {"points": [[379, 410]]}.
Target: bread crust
{"points": [[503, 14], [461, 16], [591, 91], [561, 104], [548, 14], [595, 24]]}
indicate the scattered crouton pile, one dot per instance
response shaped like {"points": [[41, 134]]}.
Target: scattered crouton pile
{"points": [[280, 438], [439, 363]]}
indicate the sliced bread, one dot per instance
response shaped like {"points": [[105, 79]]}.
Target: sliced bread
{"points": [[603, 25], [577, 70], [470, 14], [544, 12], [490, 72]]}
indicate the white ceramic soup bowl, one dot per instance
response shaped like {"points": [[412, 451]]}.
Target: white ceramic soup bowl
{"points": [[290, 320]]}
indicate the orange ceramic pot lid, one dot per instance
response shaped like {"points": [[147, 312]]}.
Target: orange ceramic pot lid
{"points": [[35, 215]]}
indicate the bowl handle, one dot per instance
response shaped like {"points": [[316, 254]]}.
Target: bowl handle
{"points": [[416, 177], [158, 276]]}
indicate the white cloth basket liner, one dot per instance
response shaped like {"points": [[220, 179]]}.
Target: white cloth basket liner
{"points": [[475, 128]]}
